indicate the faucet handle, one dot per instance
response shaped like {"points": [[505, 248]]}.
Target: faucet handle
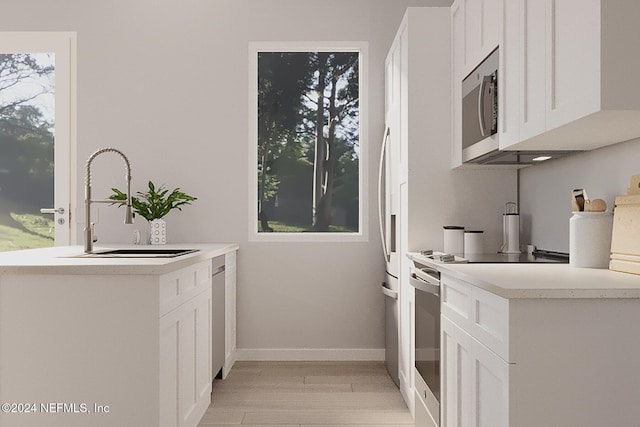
{"points": [[94, 238]]}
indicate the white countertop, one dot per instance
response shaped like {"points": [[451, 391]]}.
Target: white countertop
{"points": [[545, 280], [64, 260]]}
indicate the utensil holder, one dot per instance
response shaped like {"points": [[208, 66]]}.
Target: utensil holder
{"points": [[590, 239]]}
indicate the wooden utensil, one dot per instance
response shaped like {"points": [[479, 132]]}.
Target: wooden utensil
{"points": [[595, 205]]}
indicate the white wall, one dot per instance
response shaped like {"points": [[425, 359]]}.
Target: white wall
{"points": [[545, 190], [166, 82]]}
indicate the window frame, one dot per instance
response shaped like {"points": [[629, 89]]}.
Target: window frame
{"points": [[363, 198]]}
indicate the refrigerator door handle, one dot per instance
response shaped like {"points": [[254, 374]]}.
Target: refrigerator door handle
{"points": [[380, 200], [388, 292]]}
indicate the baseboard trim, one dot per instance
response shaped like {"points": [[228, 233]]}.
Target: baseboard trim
{"points": [[310, 354]]}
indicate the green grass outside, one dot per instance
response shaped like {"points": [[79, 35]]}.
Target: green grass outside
{"points": [[279, 227], [39, 234]]}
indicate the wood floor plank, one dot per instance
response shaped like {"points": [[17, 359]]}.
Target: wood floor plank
{"points": [[330, 418], [288, 387], [214, 416], [337, 369], [257, 401], [383, 387], [307, 394], [235, 379], [351, 425], [347, 379]]}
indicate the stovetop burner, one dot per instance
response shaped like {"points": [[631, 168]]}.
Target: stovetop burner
{"points": [[537, 256]]}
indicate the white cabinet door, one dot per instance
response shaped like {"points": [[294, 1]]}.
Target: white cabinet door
{"points": [[472, 33], [491, 387], [492, 23], [559, 65], [458, 68], [185, 362], [573, 76], [475, 381], [201, 367], [169, 371], [457, 393], [482, 30], [185, 346], [509, 85], [532, 76]]}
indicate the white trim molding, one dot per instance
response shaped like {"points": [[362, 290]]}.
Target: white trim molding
{"points": [[311, 354]]}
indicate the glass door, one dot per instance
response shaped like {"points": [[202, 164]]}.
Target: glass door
{"points": [[35, 139]]}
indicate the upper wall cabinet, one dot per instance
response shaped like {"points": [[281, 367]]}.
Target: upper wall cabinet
{"points": [[577, 70], [568, 71], [477, 26]]}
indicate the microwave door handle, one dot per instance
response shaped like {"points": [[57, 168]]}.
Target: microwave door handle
{"points": [[380, 201], [484, 131]]}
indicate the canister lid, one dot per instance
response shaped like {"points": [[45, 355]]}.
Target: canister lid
{"points": [[453, 227], [474, 231]]}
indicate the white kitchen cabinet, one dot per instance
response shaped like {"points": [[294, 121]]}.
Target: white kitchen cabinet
{"points": [[417, 75], [185, 346], [431, 195], [475, 381], [474, 377], [458, 74], [479, 32], [576, 72], [132, 336], [529, 362]]}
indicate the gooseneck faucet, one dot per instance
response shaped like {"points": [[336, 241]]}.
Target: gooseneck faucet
{"points": [[128, 215]]}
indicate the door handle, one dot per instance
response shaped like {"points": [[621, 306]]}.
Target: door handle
{"points": [[388, 292], [52, 211], [482, 114], [381, 214]]}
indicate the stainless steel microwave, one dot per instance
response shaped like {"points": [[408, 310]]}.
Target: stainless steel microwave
{"points": [[480, 109]]}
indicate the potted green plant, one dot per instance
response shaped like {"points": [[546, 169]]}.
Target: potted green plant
{"points": [[153, 205]]}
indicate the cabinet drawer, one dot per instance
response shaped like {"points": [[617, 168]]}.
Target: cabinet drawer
{"points": [[490, 323], [483, 315], [456, 301], [178, 286]]}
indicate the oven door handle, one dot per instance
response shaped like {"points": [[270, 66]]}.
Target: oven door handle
{"points": [[423, 286], [427, 274]]}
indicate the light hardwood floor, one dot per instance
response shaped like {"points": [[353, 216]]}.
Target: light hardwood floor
{"points": [[307, 394]]}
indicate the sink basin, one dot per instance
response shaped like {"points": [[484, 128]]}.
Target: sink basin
{"points": [[140, 253]]}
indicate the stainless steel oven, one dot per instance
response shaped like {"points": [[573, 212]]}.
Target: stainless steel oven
{"points": [[426, 282]]}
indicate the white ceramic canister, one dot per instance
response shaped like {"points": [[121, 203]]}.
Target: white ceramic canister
{"points": [[590, 239], [453, 239], [473, 242]]}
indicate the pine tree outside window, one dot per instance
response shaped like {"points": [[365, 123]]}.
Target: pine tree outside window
{"points": [[306, 141]]}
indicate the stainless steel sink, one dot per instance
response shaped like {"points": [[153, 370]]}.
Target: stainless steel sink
{"points": [[139, 253]]}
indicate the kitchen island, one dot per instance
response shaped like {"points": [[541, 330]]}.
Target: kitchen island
{"points": [[539, 345], [108, 341]]}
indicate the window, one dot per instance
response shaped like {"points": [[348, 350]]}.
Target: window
{"points": [[306, 142]]}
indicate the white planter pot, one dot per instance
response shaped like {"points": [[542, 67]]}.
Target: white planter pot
{"points": [[158, 232]]}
